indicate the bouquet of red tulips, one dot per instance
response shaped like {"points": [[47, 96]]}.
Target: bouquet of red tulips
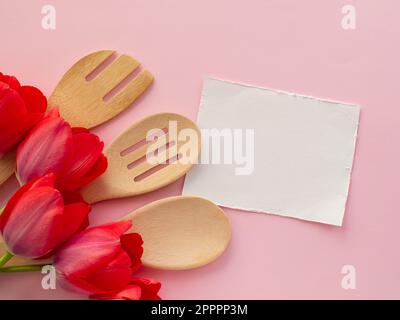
{"points": [[48, 217]]}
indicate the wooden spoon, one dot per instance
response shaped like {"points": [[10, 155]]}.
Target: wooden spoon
{"points": [[81, 101], [127, 160], [181, 232]]}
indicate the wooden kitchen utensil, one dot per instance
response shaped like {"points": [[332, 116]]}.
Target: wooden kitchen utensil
{"points": [[81, 101], [181, 232], [7, 166], [129, 171]]}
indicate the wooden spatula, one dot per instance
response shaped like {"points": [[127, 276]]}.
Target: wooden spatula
{"points": [[181, 232], [81, 101], [130, 173]]}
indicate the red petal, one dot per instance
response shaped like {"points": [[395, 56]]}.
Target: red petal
{"points": [[115, 276], [91, 250], [20, 129], [132, 244], [47, 148], [117, 229], [75, 219], [149, 287], [12, 106], [85, 165], [83, 257], [113, 230], [16, 114], [33, 227], [72, 197], [10, 205], [77, 130], [131, 292], [10, 80], [112, 277], [78, 285], [97, 170], [13, 117], [34, 99], [47, 180], [53, 113]]}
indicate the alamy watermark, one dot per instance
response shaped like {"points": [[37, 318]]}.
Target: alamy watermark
{"points": [[349, 277], [349, 19], [219, 146], [48, 17], [50, 277]]}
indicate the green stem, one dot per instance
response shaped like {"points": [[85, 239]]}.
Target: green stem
{"points": [[31, 268], [5, 258]]}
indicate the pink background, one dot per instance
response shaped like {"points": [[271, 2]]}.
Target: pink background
{"points": [[286, 44]]}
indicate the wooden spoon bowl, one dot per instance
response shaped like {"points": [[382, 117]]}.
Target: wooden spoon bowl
{"points": [[181, 232]]}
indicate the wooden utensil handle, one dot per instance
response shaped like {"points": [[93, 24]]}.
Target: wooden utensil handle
{"points": [[7, 166], [98, 190]]}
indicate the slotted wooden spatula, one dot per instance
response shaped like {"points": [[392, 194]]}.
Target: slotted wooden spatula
{"points": [[130, 172], [81, 101]]}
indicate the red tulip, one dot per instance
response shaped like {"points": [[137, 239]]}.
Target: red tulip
{"points": [[137, 289], [38, 218], [73, 154], [21, 107], [99, 259]]}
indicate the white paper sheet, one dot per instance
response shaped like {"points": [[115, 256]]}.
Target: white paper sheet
{"points": [[303, 152]]}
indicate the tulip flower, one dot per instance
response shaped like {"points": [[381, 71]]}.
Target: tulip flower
{"points": [[21, 107], [38, 218], [137, 289], [74, 155], [100, 259]]}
